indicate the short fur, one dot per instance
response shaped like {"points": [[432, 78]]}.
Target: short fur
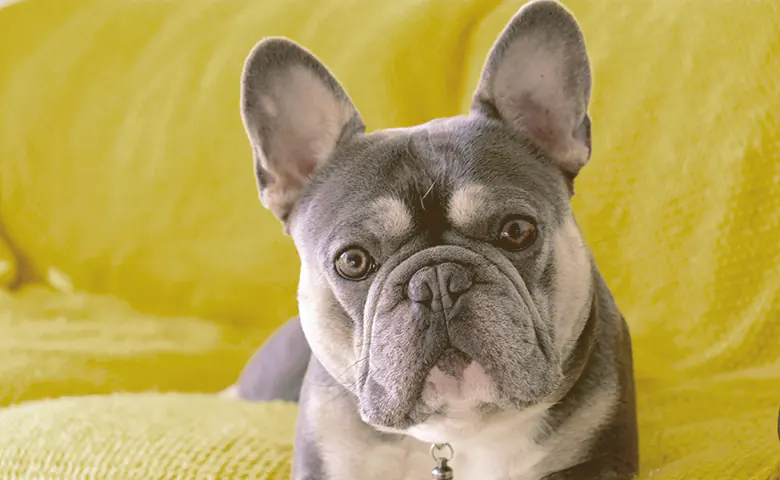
{"points": [[519, 359]]}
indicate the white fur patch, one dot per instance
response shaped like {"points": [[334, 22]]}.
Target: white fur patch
{"points": [[460, 397], [467, 205], [391, 216], [474, 386], [269, 106], [505, 448], [318, 311], [502, 447], [571, 301]]}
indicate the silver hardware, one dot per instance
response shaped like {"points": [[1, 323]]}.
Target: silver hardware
{"points": [[442, 453]]}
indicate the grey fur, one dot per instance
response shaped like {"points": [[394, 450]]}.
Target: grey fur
{"points": [[277, 370], [532, 339]]}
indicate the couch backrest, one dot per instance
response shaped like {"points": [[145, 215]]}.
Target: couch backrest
{"points": [[124, 165]]}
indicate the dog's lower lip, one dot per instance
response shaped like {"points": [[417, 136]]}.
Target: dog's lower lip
{"points": [[453, 362]]}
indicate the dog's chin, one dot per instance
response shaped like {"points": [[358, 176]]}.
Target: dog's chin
{"points": [[455, 403]]}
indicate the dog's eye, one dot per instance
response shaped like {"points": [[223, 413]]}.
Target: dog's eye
{"points": [[517, 234], [354, 264]]}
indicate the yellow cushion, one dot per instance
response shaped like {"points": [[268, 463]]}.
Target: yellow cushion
{"points": [[124, 171], [146, 437]]}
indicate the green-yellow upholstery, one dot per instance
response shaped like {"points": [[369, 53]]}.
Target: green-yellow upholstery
{"points": [[138, 271]]}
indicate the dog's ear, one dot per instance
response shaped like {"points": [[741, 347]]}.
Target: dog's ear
{"points": [[537, 79], [295, 113]]}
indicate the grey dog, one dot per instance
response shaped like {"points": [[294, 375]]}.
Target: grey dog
{"points": [[446, 294]]}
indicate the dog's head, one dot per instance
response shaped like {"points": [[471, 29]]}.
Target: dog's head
{"points": [[443, 277]]}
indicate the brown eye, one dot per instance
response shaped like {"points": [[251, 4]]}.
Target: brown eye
{"points": [[517, 234], [354, 264]]}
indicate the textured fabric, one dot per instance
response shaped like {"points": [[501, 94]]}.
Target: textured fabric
{"points": [[146, 437], [141, 259]]}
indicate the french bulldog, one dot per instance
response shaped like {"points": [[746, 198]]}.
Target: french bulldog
{"points": [[446, 293]]}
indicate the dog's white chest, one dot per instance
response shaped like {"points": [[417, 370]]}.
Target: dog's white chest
{"points": [[516, 461], [504, 450], [512, 461]]}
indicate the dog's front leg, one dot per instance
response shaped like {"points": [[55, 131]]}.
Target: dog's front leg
{"points": [[614, 456], [308, 454]]}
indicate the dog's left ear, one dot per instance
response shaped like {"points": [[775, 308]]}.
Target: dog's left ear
{"points": [[537, 79]]}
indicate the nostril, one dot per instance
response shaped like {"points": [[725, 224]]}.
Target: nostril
{"points": [[419, 289], [454, 278], [458, 280]]}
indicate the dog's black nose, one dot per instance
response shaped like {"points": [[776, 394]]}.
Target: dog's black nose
{"points": [[439, 286]]}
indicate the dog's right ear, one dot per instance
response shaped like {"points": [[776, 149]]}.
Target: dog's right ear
{"points": [[295, 113]]}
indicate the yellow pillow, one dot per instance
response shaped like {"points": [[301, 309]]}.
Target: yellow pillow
{"points": [[146, 436]]}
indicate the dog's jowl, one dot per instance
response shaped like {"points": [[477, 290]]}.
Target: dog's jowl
{"points": [[446, 294]]}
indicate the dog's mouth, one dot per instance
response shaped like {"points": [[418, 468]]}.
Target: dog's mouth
{"points": [[457, 383], [456, 396], [453, 362]]}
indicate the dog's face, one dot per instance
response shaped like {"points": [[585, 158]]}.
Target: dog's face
{"points": [[443, 278]]}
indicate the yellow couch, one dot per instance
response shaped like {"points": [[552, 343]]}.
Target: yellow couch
{"points": [[136, 261]]}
